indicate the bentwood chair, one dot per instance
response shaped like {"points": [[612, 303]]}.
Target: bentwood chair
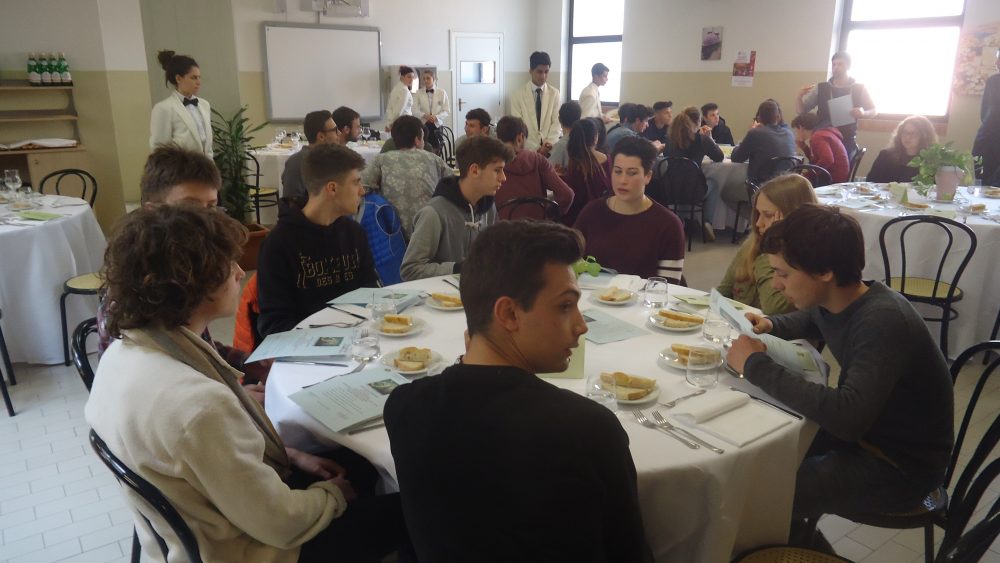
{"points": [[9, 369], [938, 291], [81, 179], [781, 164], [752, 190], [154, 499], [79, 346], [684, 190], [86, 284], [537, 208], [447, 145], [259, 196], [817, 175], [856, 162]]}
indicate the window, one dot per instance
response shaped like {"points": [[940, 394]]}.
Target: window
{"points": [[595, 36], [903, 51]]}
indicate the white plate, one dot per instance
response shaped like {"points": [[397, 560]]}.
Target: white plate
{"points": [[418, 325], [435, 304], [670, 358], [827, 191], [652, 395], [992, 196], [656, 324], [387, 361], [633, 297]]}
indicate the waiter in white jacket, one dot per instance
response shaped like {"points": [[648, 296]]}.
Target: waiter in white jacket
{"points": [[401, 99], [537, 104], [430, 104], [590, 97], [182, 118]]}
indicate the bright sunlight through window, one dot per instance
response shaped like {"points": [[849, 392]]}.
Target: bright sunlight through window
{"points": [[596, 37]]}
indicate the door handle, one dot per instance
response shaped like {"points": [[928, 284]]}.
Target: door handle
{"points": [[460, 104]]}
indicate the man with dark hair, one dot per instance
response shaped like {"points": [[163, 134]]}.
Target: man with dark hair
{"points": [[720, 131], [590, 97], [820, 96], [560, 488], [528, 175], [406, 176], [886, 429], [348, 125], [461, 208], [537, 104], [320, 128], [823, 146], [401, 97], [317, 252], [569, 113], [987, 142], [658, 127], [766, 140], [633, 122], [477, 124]]}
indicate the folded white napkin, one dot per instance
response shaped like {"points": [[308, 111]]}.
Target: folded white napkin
{"points": [[731, 416], [627, 281]]}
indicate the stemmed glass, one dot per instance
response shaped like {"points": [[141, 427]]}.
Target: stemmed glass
{"points": [[279, 136], [366, 133], [12, 180]]}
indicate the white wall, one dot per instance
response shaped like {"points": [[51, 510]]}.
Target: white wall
{"points": [[70, 26], [121, 34]]}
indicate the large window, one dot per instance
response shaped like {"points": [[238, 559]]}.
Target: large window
{"points": [[595, 36], [903, 51]]}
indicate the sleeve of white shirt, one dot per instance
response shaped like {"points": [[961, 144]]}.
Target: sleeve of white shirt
{"points": [[588, 103], [443, 112], [395, 106]]}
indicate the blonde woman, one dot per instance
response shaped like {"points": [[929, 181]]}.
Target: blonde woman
{"points": [[748, 279], [912, 135]]}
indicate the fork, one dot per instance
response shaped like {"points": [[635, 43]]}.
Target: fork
{"points": [[641, 419], [361, 365], [672, 404], [662, 423], [338, 324]]}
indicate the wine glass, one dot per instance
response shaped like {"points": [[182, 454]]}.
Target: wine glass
{"points": [[12, 180], [366, 133], [279, 136], [4, 190]]}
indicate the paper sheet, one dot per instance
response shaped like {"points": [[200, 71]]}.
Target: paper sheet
{"points": [[304, 343], [840, 111], [603, 328], [348, 401], [362, 296]]}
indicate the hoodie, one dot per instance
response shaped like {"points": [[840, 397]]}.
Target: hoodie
{"points": [[826, 149], [443, 232], [530, 175]]}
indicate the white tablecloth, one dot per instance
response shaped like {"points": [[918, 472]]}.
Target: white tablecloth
{"points": [[978, 309], [368, 150], [272, 164], [35, 261], [729, 176], [697, 505]]}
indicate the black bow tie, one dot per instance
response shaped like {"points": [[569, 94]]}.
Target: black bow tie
{"points": [[191, 102], [430, 90]]}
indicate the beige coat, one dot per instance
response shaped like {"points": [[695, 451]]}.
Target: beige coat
{"points": [[171, 122]]}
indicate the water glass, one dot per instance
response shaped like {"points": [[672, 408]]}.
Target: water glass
{"points": [[716, 330], [12, 179], [364, 342], [382, 308], [601, 393], [366, 133], [655, 293], [703, 366]]}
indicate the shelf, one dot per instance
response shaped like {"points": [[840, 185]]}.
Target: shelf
{"points": [[25, 85], [15, 116], [78, 148]]}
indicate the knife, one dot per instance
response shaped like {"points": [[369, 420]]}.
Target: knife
{"points": [[770, 404], [355, 315]]}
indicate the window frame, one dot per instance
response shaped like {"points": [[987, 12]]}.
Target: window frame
{"points": [[573, 40], [848, 25]]}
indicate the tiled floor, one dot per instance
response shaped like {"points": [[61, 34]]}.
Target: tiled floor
{"points": [[59, 503]]}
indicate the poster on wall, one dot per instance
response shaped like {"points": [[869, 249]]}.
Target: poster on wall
{"points": [[711, 43], [976, 59], [743, 68]]}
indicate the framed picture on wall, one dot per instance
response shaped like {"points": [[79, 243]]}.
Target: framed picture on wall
{"points": [[711, 43]]}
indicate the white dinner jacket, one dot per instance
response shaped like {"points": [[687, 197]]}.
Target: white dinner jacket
{"points": [[439, 106], [522, 104], [400, 103], [590, 101], [171, 122]]}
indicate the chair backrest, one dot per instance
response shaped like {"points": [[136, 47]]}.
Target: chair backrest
{"points": [[79, 347], [983, 380], [817, 175], [683, 182], [447, 145], [528, 208], [85, 180], [153, 498], [856, 162], [381, 223], [780, 164], [949, 230], [252, 170]]}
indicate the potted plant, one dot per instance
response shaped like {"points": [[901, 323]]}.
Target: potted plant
{"points": [[942, 166], [231, 139]]}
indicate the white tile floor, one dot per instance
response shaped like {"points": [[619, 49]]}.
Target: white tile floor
{"points": [[59, 503]]}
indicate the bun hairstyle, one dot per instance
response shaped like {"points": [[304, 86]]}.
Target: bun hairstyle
{"points": [[174, 64]]}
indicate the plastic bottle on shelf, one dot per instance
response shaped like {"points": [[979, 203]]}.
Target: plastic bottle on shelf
{"points": [[34, 78], [46, 72], [55, 70], [67, 78]]}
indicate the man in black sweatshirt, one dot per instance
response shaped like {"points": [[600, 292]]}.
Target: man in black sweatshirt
{"points": [[886, 429], [318, 252]]}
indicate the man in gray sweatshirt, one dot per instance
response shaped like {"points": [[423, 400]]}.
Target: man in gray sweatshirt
{"points": [[886, 429], [461, 208]]}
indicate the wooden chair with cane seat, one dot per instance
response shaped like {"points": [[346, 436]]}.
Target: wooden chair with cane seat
{"points": [[538, 208], [85, 284], [85, 180], [80, 358], [781, 164], [259, 196], [752, 190], [447, 145], [817, 175], [787, 554], [684, 190], [856, 162]]}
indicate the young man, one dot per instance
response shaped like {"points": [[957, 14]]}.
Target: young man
{"points": [[886, 428], [720, 131], [528, 175], [477, 124], [348, 125], [766, 140], [400, 99], [658, 128], [634, 119], [590, 97], [320, 128], [840, 84], [461, 208], [406, 176], [431, 105], [822, 146], [543, 474], [537, 104], [569, 113], [319, 252]]}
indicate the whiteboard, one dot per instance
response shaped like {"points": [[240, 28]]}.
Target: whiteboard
{"points": [[314, 67]]}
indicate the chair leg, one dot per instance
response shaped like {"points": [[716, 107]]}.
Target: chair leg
{"points": [[7, 366], [256, 208], [136, 548], [736, 223], [945, 317], [929, 543], [65, 330], [6, 396]]}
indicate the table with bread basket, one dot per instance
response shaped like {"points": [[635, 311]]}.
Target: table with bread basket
{"points": [[697, 505]]}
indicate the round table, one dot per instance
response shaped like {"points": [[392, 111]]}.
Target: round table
{"points": [[367, 150], [696, 505], [978, 309], [37, 260], [730, 177], [272, 161]]}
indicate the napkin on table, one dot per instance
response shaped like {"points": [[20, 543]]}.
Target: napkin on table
{"points": [[730, 416]]}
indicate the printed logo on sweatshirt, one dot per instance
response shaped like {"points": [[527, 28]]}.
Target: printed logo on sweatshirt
{"points": [[327, 271]]}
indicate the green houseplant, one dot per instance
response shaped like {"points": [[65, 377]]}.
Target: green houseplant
{"points": [[231, 137], [942, 166]]}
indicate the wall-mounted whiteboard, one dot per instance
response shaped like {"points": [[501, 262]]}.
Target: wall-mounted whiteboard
{"points": [[313, 67]]}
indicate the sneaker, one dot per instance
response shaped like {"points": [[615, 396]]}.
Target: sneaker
{"points": [[709, 232]]}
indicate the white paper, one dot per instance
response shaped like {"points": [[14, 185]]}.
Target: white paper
{"points": [[349, 401], [840, 111], [362, 296], [603, 328], [303, 343]]}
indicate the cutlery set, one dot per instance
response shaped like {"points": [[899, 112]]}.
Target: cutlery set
{"points": [[679, 434]]}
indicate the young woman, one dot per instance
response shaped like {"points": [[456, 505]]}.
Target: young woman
{"points": [[182, 118], [748, 279], [173, 410], [589, 170], [628, 231], [912, 135]]}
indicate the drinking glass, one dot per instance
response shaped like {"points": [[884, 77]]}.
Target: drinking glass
{"points": [[715, 329], [364, 342], [703, 366], [382, 308], [12, 179], [601, 393], [366, 133], [655, 294]]}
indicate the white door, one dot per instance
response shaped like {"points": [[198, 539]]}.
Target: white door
{"points": [[477, 75]]}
